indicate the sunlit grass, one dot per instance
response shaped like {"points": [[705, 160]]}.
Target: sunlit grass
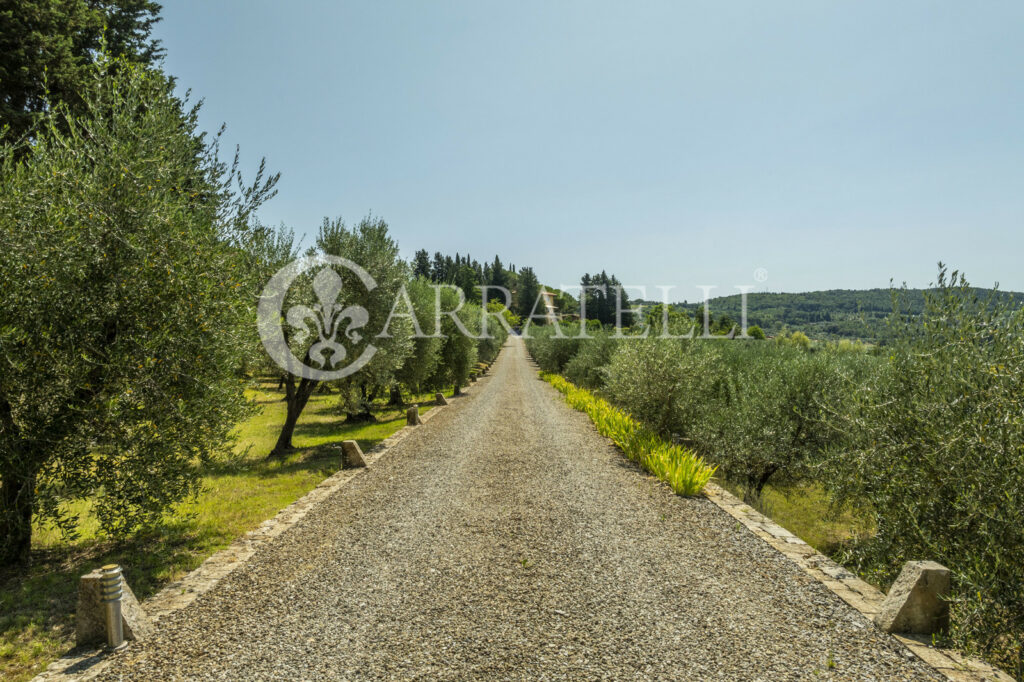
{"points": [[804, 510], [241, 490]]}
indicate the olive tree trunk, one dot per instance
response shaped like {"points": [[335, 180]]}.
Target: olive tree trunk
{"points": [[296, 398], [17, 494]]}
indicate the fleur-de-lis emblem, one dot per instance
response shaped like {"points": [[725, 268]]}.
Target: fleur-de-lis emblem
{"points": [[327, 316]]}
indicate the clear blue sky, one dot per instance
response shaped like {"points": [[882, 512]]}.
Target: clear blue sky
{"points": [[833, 144]]}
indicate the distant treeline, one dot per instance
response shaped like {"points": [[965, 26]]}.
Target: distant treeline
{"points": [[832, 314], [468, 274]]}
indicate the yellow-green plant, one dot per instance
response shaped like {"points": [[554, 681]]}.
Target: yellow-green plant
{"points": [[680, 467]]}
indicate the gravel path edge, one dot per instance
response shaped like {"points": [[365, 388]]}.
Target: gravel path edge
{"points": [[81, 664], [860, 595]]}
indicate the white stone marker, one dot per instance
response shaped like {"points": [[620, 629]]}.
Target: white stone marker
{"points": [[412, 416], [914, 604], [351, 455]]}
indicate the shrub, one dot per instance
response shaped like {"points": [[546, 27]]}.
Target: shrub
{"points": [[550, 351], [939, 460], [796, 339], [588, 367], [660, 382], [755, 332], [498, 308], [848, 346]]}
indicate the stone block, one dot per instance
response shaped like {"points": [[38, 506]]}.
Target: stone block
{"points": [[351, 455], [439, 399], [915, 601], [412, 416], [91, 616]]}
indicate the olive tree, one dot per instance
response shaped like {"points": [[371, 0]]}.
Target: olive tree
{"points": [[589, 367], [553, 346], [426, 353], [659, 381], [369, 246], [267, 250], [459, 328], [938, 458], [765, 411], [122, 324]]}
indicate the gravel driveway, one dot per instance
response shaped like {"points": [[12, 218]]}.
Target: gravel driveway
{"points": [[505, 539]]}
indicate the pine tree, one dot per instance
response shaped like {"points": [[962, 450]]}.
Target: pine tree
{"points": [[527, 292], [421, 264], [47, 50], [437, 272]]}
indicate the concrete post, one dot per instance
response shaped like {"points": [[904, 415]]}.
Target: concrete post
{"points": [[439, 399], [915, 603], [92, 625], [412, 416], [351, 455]]}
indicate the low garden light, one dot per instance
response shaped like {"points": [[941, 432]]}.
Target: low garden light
{"points": [[110, 592]]}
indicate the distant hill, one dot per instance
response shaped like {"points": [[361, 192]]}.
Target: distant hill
{"points": [[832, 314]]}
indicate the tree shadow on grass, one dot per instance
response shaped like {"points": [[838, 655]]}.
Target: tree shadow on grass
{"points": [[329, 436], [38, 602]]}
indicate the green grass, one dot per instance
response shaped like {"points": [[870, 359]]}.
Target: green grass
{"points": [[803, 509], [241, 490]]}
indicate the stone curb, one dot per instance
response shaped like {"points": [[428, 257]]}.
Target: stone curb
{"points": [[862, 596], [85, 664]]}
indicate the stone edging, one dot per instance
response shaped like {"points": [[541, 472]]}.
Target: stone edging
{"points": [[862, 596], [84, 664]]}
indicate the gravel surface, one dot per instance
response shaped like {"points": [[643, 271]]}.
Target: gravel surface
{"points": [[506, 539]]}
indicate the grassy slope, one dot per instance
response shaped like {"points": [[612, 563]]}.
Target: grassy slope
{"points": [[37, 606], [803, 509]]}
